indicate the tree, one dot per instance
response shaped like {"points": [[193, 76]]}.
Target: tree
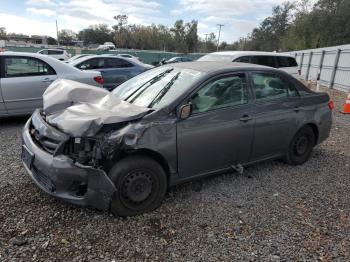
{"points": [[3, 35], [121, 32], [179, 35], [96, 34], [51, 41], [191, 36], [66, 36]]}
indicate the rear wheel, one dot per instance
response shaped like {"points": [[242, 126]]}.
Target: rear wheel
{"points": [[141, 186], [301, 146]]}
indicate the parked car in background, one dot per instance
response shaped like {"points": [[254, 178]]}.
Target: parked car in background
{"points": [[106, 46], [114, 69], [123, 55], [24, 78], [76, 57], [172, 124], [59, 54], [177, 59], [277, 60]]}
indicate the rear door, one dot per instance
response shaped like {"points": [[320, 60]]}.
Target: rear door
{"points": [[118, 71], [277, 110], [23, 83], [219, 131]]}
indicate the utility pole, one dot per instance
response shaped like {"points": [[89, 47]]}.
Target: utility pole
{"points": [[206, 40], [58, 40], [219, 25]]}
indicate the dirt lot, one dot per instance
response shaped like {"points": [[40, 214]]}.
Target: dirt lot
{"points": [[273, 212]]}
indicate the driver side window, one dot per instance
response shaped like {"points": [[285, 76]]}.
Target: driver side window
{"points": [[222, 92]]}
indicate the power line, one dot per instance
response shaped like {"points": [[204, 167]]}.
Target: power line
{"points": [[219, 25]]}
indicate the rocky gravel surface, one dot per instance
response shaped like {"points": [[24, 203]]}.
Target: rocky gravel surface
{"points": [[272, 212]]}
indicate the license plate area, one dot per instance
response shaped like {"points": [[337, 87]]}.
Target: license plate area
{"points": [[27, 157]]}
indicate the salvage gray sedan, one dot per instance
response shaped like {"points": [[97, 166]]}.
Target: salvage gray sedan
{"points": [[122, 150]]}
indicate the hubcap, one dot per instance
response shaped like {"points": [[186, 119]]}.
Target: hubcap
{"points": [[137, 187], [301, 145]]}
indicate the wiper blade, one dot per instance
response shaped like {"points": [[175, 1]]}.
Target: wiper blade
{"points": [[148, 83], [164, 90]]}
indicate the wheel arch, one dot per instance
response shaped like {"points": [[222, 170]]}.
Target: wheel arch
{"points": [[156, 156], [314, 128]]}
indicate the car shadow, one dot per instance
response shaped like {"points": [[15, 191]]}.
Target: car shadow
{"points": [[13, 121]]}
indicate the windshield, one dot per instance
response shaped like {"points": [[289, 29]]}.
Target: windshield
{"points": [[158, 87], [212, 57]]}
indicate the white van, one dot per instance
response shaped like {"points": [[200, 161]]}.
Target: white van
{"points": [[277, 60], [59, 54]]}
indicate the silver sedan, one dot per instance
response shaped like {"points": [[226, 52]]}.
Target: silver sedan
{"points": [[24, 78]]}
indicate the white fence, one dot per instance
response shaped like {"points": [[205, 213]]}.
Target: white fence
{"points": [[331, 65]]}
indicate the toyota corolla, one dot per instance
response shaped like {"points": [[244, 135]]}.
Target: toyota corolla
{"points": [[122, 150]]}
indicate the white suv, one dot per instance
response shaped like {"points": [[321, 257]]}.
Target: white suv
{"points": [[277, 60], [59, 54]]}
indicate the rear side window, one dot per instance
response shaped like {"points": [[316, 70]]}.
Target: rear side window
{"points": [[94, 63], [55, 52], [284, 61], [268, 86], [117, 63], [243, 59], [223, 92], [26, 66], [264, 60]]}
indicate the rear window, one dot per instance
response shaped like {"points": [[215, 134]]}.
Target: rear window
{"points": [[264, 60], [285, 61], [55, 52], [243, 59]]}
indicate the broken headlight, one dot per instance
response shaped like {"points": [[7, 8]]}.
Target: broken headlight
{"points": [[83, 150]]}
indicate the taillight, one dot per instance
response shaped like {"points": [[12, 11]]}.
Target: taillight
{"points": [[331, 105], [99, 79]]}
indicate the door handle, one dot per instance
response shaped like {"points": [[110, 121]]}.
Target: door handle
{"points": [[296, 109], [47, 80], [245, 118]]}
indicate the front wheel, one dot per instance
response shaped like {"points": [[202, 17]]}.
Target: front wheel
{"points": [[141, 185], [301, 146]]}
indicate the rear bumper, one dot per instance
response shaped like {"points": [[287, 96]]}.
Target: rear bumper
{"points": [[60, 177]]}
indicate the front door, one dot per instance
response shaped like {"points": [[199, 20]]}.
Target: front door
{"points": [[23, 83], [277, 109], [219, 131]]}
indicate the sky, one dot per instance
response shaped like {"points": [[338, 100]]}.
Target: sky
{"points": [[38, 16]]}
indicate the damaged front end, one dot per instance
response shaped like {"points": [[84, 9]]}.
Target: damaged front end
{"points": [[62, 175], [66, 150]]}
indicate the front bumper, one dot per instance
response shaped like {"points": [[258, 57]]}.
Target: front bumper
{"points": [[60, 177]]}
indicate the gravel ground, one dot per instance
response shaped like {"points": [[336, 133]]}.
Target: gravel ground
{"points": [[273, 212]]}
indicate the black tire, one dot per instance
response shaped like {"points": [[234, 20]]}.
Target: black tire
{"points": [[301, 146], [141, 186]]}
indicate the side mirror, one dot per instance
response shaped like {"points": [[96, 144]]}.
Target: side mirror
{"points": [[184, 111]]}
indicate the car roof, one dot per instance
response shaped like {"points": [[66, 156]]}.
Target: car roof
{"points": [[11, 53], [248, 53], [218, 66]]}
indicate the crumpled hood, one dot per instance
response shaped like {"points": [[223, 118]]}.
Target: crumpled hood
{"points": [[81, 110]]}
